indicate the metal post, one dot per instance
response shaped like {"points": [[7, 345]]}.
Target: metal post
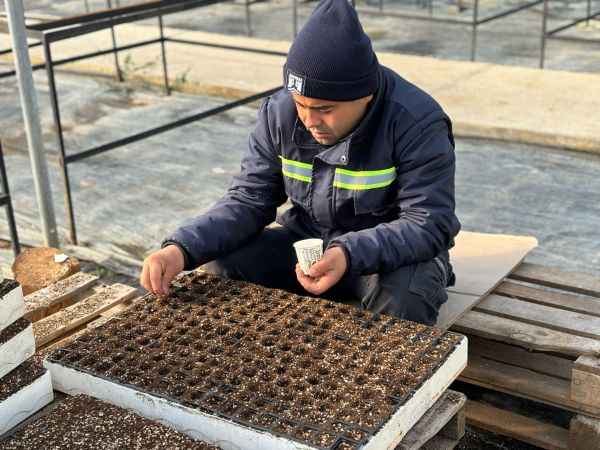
{"points": [[59, 137], [12, 226], [33, 130], [544, 28], [295, 17], [163, 52], [589, 12], [474, 29], [114, 44], [248, 23]]}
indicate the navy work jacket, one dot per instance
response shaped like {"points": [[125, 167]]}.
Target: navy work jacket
{"points": [[385, 193]]}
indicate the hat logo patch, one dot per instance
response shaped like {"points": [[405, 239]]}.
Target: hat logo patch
{"points": [[295, 83]]}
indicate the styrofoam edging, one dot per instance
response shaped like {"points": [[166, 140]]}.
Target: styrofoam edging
{"points": [[12, 307], [16, 350], [229, 435], [411, 412], [25, 402]]}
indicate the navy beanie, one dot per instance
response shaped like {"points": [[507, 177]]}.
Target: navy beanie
{"points": [[332, 58]]}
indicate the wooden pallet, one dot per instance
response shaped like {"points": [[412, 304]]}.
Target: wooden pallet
{"points": [[541, 344], [65, 309], [440, 428]]}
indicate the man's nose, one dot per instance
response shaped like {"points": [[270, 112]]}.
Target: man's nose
{"points": [[312, 118]]}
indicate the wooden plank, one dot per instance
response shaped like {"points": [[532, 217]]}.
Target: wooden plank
{"points": [[520, 357], [51, 298], [520, 427], [580, 283], [584, 433], [56, 325], [434, 420], [588, 364], [456, 307], [481, 261], [525, 335], [523, 383], [585, 388], [545, 316], [455, 428], [569, 302]]}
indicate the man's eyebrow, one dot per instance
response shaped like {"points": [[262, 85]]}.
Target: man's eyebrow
{"points": [[319, 107]]}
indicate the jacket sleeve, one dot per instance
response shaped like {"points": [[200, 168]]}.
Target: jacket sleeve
{"points": [[426, 223], [249, 205]]}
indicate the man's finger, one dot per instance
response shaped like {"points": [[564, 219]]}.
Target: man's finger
{"points": [[144, 280], [168, 275], [156, 274], [319, 268], [305, 281]]}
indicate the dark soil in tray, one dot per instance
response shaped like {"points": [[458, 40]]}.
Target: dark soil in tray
{"points": [[13, 329], [82, 422], [20, 377], [6, 286], [318, 372]]}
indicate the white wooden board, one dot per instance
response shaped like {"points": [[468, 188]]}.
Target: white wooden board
{"points": [[482, 260]]}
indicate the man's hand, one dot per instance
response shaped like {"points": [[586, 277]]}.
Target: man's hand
{"points": [[160, 268], [326, 272]]}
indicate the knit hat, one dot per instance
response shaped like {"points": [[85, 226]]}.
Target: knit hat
{"points": [[332, 58]]}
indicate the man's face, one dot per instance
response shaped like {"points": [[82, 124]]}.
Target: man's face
{"points": [[329, 121]]}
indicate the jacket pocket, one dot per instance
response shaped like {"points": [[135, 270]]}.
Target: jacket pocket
{"points": [[429, 283], [378, 202], [297, 191]]}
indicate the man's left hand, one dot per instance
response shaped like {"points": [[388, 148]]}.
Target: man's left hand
{"points": [[326, 272]]}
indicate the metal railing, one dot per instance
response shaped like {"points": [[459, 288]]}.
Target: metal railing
{"points": [[6, 202], [553, 33], [53, 31]]}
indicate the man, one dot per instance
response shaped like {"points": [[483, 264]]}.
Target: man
{"points": [[367, 161]]}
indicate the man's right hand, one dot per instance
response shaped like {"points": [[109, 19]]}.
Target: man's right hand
{"points": [[160, 268]]}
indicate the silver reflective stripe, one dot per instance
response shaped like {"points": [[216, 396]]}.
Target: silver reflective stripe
{"points": [[296, 169], [343, 178], [359, 180]]}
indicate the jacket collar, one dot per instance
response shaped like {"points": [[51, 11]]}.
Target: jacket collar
{"points": [[339, 153]]}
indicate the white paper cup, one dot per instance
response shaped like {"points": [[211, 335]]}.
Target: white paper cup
{"points": [[308, 251]]}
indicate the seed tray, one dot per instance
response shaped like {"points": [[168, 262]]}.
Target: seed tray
{"points": [[82, 422], [296, 370], [23, 391], [16, 345], [12, 306]]}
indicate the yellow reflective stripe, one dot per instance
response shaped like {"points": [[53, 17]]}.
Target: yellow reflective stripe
{"points": [[291, 162], [362, 187], [296, 176], [365, 173]]}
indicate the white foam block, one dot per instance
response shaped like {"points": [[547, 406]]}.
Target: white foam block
{"points": [[12, 307], [16, 350], [232, 436], [25, 402]]}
